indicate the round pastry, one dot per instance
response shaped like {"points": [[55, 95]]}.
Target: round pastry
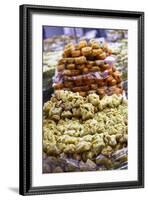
{"points": [[96, 52], [80, 60], [70, 66], [85, 70], [106, 66], [94, 69], [91, 63], [67, 52], [80, 67], [70, 60], [86, 51], [73, 72], [94, 44], [89, 66], [82, 44], [70, 45], [101, 56], [76, 53], [62, 61], [67, 72]]}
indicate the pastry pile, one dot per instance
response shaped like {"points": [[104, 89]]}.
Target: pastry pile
{"points": [[88, 68]]}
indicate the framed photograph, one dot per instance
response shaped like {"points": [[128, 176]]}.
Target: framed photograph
{"points": [[81, 99]]}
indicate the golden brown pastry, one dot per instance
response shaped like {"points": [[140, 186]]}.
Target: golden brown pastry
{"points": [[94, 69], [67, 72], [70, 60], [86, 51], [101, 56], [67, 52], [85, 70], [73, 72], [80, 67], [94, 44], [96, 52], [82, 44], [80, 60], [76, 53], [70, 66], [91, 63], [62, 61], [106, 66]]}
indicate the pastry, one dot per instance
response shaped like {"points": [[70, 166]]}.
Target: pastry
{"points": [[76, 53], [86, 51], [80, 60]]}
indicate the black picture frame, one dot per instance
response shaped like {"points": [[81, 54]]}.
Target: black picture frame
{"points": [[25, 181]]}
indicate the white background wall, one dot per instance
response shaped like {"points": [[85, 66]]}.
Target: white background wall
{"points": [[9, 85]]}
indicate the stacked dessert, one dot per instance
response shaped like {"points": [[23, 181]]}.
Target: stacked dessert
{"points": [[88, 68]]}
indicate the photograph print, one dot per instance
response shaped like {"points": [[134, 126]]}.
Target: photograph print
{"points": [[85, 99]]}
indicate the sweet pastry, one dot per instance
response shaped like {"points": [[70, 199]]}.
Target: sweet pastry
{"points": [[86, 51], [80, 60]]}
